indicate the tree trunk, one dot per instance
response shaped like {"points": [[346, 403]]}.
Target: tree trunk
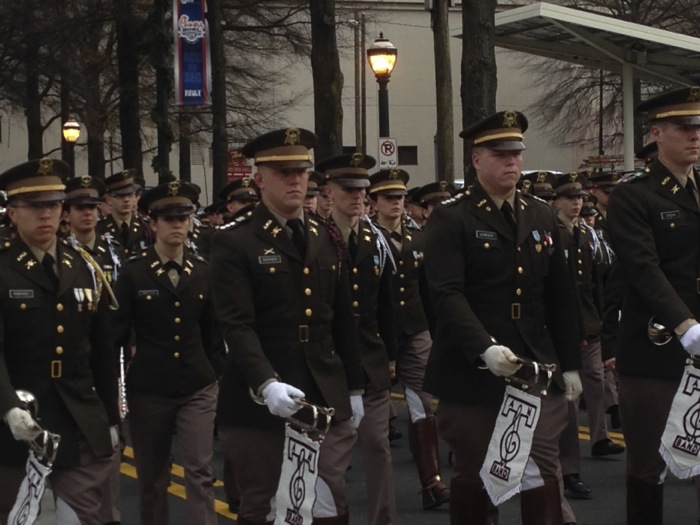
{"points": [[444, 135], [160, 113], [184, 119], [128, 63], [219, 139], [35, 130], [479, 80], [328, 80]]}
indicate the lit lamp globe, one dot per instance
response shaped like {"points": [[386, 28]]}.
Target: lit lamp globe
{"points": [[382, 57], [71, 131]]}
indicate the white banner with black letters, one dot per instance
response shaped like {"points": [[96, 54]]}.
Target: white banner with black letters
{"points": [[296, 491], [680, 443], [511, 442], [27, 505]]}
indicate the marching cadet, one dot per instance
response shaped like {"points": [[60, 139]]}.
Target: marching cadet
{"points": [[283, 302], [429, 196], [588, 262], [602, 183], [410, 300], [540, 184], [371, 266], [238, 194], [164, 295], [312, 191], [654, 224], [324, 201], [55, 344], [500, 289], [124, 223], [588, 211]]}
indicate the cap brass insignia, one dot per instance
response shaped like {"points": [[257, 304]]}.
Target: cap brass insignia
{"points": [[394, 174], [615, 177], [126, 174], [85, 181], [356, 160], [245, 182], [45, 167], [527, 184], [509, 119], [173, 188], [443, 185], [541, 177], [694, 95], [573, 177], [292, 136]]}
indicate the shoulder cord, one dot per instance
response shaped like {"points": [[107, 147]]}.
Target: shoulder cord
{"points": [[382, 245], [98, 277]]}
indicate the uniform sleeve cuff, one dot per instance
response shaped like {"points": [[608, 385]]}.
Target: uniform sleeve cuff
{"points": [[684, 326]]}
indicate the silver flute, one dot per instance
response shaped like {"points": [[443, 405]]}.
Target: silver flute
{"points": [[123, 405]]}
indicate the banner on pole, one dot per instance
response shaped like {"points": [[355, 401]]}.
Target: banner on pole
{"points": [[192, 61]]}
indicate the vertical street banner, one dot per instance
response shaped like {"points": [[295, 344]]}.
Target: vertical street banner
{"points": [[192, 64]]}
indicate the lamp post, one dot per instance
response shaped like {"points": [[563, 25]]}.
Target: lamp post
{"points": [[382, 59], [71, 132]]}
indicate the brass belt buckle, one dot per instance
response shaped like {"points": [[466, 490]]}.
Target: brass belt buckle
{"points": [[303, 333], [515, 311], [56, 369]]}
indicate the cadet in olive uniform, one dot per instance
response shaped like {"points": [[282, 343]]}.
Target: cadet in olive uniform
{"points": [[238, 194], [164, 295], [283, 302], [655, 226], [313, 191], [56, 344], [602, 183], [371, 266], [501, 288], [428, 196], [410, 302], [540, 184], [124, 224]]}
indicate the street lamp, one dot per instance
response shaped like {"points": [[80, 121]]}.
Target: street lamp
{"points": [[382, 59], [71, 132]]}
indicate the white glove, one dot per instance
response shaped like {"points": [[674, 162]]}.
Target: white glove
{"points": [[114, 435], [691, 340], [279, 398], [358, 410], [22, 425], [574, 388], [501, 361]]}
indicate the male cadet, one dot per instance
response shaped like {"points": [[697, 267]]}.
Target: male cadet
{"points": [[501, 289], [55, 344], [587, 261], [282, 298], [164, 296], [602, 183], [371, 266], [124, 223], [388, 191], [655, 224], [312, 191], [427, 197], [540, 184], [237, 195], [588, 211], [324, 202]]}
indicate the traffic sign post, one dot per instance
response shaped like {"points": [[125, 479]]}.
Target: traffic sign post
{"points": [[388, 153]]}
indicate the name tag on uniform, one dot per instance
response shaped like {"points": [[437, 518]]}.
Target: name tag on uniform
{"points": [[670, 215], [143, 293], [491, 236], [21, 294], [269, 259]]}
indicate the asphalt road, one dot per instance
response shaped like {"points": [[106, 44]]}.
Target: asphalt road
{"points": [[605, 476]]}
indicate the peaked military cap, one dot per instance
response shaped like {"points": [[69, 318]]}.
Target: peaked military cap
{"points": [[681, 106], [174, 198], [570, 184], [411, 193], [502, 131], [389, 182], [648, 152], [243, 189], [539, 183], [434, 192], [350, 170], [39, 180], [589, 202], [123, 183], [85, 190], [604, 179], [283, 148], [314, 184]]}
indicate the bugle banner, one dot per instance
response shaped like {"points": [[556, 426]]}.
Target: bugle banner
{"points": [[192, 63]]}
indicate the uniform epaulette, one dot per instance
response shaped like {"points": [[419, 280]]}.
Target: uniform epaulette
{"points": [[136, 256], [635, 176], [457, 197], [236, 222], [5, 243], [198, 257]]}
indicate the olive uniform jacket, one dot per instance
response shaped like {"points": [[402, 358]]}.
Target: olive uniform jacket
{"points": [[283, 317], [56, 344], [655, 228], [491, 287], [371, 295], [139, 238], [174, 325]]}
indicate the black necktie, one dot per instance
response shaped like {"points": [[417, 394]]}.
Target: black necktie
{"points": [[124, 233], [690, 188], [396, 236], [352, 244], [47, 263], [298, 235], [507, 211], [172, 265]]}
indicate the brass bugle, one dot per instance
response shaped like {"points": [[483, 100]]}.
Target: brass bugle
{"points": [[45, 445], [657, 332], [534, 375]]}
